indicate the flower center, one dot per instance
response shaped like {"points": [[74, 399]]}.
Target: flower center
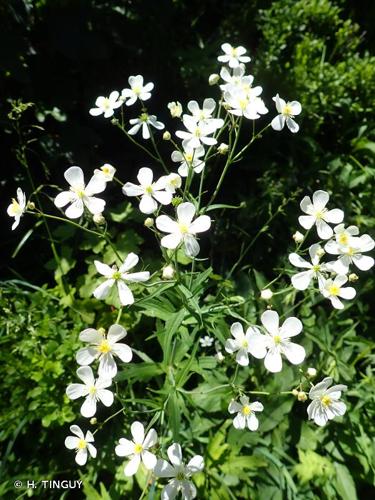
{"points": [[326, 400], [334, 290], [144, 117], [277, 339], [234, 52], [316, 268], [81, 444], [197, 132], [92, 390], [106, 103], [104, 346], [243, 103], [180, 476], [246, 410], [16, 207], [137, 89], [350, 251], [105, 170], [319, 214], [188, 157], [116, 275], [245, 344], [343, 239], [138, 448], [184, 228], [287, 111], [149, 190]]}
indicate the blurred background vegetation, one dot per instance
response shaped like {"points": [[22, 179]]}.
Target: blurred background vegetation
{"points": [[60, 55]]}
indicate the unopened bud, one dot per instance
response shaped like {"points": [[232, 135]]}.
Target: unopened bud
{"points": [[213, 79], [226, 105], [114, 121], [298, 237], [99, 219], [295, 392], [311, 372], [353, 277], [219, 356], [168, 273], [175, 109], [149, 222], [266, 294], [177, 200], [166, 136], [101, 330], [223, 148], [302, 396], [320, 252], [93, 421], [31, 205]]}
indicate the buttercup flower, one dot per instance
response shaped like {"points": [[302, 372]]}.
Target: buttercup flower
{"points": [[277, 341], [239, 82], [287, 110], [17, 208], [245, 413], [325, 403], [120, 277], [204, 115], [79, 195], [93, 390], [302, 280], [105, 348], [206, 341], [137, 90], [184, 229], [149, 191], [81, 443], [351, 252], [106, 105], [197, 132], [179, 472], [190, 158], [175, 109], [318, 214], [233, 56], [172, 182], [145, 121], [245, 344], [334, 290], [137, 450], [105, 173], [243, 104]]}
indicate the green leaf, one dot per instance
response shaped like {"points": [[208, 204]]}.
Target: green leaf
{"points": [[344, 483], [171, 327]]}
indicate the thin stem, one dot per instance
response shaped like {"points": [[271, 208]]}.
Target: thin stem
{"points": [[108, 419], [146, 150]]}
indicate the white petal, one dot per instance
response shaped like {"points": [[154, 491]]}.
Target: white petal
{"points": [[138, 432], [96, 185], [175, 454], [170, 491], [320, 199], [147, 204], [270, 320], [334, 216], [123, 351], [86, 374], [301, 281], [294, 353], [252, 422], [166, 224], [231, 346], [257, 345], [171, 241], [242, 357], [278, 122], [237, 331], [239, 421], [77, 431], [201, 224], [257, 406], [234, 407], [75, 391], [90, 335], [196, 464], [132, 466], [125, 294], [363, 262], [137, 277], [347, 292], [115, 333], [292, 125], [107, 366], [273, 361], [106, 397], [124, 448], [163, 197], [131, 261], [74, 177], [92, 450], [71, 442], [324, 230], [317, 390], [191, 245], [103, 269], [149, 459], [306, 221], [102, 290], [88, 409], [86, 355], [81, 456], [75, 210], [63, 199], [185, 213], [163, 469], [292, 326], [94, 205], [298, 261], [150, 439], [130, 189]]}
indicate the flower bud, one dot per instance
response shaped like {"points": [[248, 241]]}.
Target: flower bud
{"points": [[115, 121], [266, 294], [31, 205], [320, 252], [101, 330], [177, 200], [226, 105], [168, 272], [223, 148], [175, 109], [353, 277], [93, 421], [302, 396], [311, 372], [295, 392], [219, 356], [166, 136], [298, 237], [213, 79], [99, 219], [149, 222]]}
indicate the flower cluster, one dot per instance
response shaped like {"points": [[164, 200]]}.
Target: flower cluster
{"points": [[341, 240]]}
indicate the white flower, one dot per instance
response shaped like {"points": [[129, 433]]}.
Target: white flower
{"points": [[245, 413], [105, 173], [168, 273], [145, 121], [79, 195], [343, 235], [213, 79], [190, 158], [302, 280], [149, 191], [277, 341], [298, 237], [137, 450], [351, 252], [197, 132], [319, 215], [233, 55], [137, 90], [333, 289], [287, 110], [184, 229], [175, 109], [325, 402], [106, 105], [172, 182], [311, 372], [245, 343], [206, 341], [180, 473], [81, 443], [120, 277], [104, 348], [266, 294], [204, 115], [238, 81], [223, 148], [93, 390], [246, 105], [17, 208]]}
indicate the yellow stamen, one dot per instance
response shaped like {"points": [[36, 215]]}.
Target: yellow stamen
{"points": [[149, 190], [184, 228], [343, 239], [246, 410], [116, 275], [287, 111], [277, 339], [334, 290], [326, 400], [92, 390], [138, 448], [81, 444], [316, 268], [104, 346]]}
